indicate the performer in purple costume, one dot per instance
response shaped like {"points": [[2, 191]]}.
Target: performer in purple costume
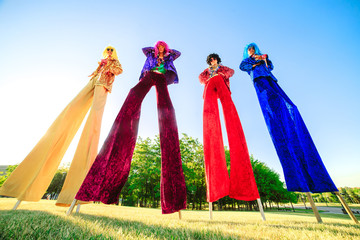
{"points": [[111, 168]]}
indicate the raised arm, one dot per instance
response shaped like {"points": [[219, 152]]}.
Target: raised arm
{"points": [[175, 54], [147, 50]]}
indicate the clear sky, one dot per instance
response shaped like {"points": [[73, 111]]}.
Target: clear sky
{"points": [[48, 48]]}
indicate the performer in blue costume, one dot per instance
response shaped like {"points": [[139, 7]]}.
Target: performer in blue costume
{"points": [[303, 168]]}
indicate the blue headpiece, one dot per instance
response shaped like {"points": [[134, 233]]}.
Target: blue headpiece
{"points": [[257, 50]]}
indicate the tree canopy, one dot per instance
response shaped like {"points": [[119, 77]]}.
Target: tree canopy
{"points": [[143, 185]]}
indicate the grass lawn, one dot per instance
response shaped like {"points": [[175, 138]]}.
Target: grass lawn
{"points": [[43, 220]]}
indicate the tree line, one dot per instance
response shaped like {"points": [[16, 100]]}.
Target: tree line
{"points": [[143, 185]]}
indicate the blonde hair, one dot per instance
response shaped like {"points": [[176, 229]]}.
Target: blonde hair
{"points": [[113, 55]]}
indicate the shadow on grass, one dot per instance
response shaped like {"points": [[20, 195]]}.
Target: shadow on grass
{"points": [[298, 224], [181, 233], [334, 228], [311, 214], [131, 228], [25, 224]]}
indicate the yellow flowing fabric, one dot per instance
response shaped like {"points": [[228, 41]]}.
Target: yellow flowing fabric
{"points": [[32, 177], [86, 151]]}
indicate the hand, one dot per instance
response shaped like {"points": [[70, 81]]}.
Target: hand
{"points": [[257, 64], [211, 77], [261, 57], [103, 62]]}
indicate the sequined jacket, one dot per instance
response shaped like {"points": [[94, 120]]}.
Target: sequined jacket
{"points": [[258, 71], [226, 74], [105, 75], [151, 62]]}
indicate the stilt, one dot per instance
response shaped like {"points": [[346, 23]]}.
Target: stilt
{"points": [[210, 210], [16, 205], [180, 214], [71, 208], [78, 208], [347, 208], [261, 209], [314, 208]]}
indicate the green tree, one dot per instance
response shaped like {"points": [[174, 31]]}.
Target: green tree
{"points": [[355, 194], [192, 155], [344, 193], [9, 170], [143, 185], [57, 182], [271, 189], [332, 198], [144, 177]]}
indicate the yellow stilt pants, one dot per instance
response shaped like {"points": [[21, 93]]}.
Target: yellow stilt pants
{"points": [[32, 177], [86, 150]]}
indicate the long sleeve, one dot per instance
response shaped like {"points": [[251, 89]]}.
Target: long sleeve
{"points": [[228, 72], [151, 62], [175, 54], [270, 65], [116, 68], [246, 65], [204, 76], [147, 51], [259, 70], [108, 73]]}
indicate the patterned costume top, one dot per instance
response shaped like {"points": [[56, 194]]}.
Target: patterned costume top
{"points": [[258, 71], [107, 73], [221, 70], [151, 62]]}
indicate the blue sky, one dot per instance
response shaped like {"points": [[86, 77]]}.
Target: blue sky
{"points": [[48, 48]]}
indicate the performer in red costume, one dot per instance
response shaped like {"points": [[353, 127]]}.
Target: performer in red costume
{"points": [[241, 185]]}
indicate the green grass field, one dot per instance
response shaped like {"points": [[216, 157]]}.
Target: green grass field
{"points": [[43, 220]]}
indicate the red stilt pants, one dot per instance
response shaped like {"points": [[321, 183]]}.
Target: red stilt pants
{"points": [[241, 185]]}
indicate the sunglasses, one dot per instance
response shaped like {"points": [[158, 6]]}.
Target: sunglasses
{"points": [[109, 49]]}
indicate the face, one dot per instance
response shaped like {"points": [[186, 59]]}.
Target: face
{"points": [[109, 51], [213, 61], [251, 51], [161, 48]]}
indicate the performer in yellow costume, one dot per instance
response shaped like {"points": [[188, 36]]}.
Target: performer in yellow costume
{"points": [[32, 177]]}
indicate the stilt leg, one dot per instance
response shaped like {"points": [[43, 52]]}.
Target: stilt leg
{"points": [[71, 208], [78, 208], [314, 208], [179, 214], [261, 209], [16, 205], [348, 210], [210, 210]]}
